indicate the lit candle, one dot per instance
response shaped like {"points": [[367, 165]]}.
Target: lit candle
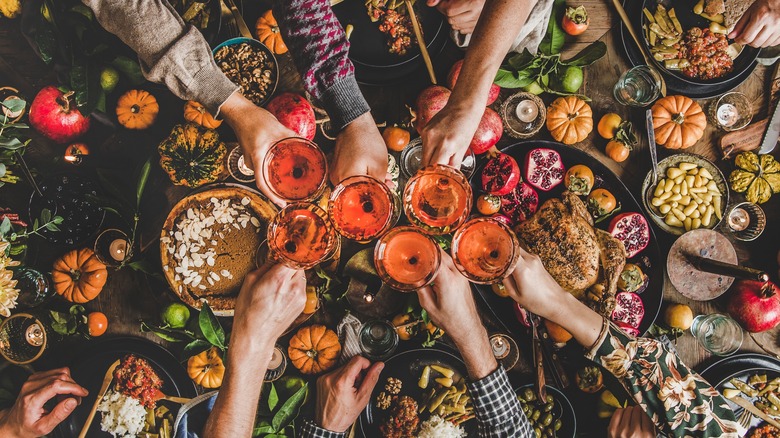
{"points": [[527, 111], [276, 359], [727, 115], [739, 219], [243, 168], [500, 347], [75, 153], [118, 249]]}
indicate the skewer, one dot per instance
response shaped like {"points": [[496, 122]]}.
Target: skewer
{"points": [[420, 41]]}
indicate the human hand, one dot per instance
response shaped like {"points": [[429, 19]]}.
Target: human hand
{"points": [[28, 417], [257, 130], [341, 396], [758, 27], [532, 286], [267, 304], [446, 137], [461, 14], [360, 150], [631, 422]]}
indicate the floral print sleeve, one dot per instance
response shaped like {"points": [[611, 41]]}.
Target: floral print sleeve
{"points": [[680, 402]]}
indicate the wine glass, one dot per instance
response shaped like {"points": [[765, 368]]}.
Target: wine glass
{"points": [[485, 250], [295, 170], [437, 199], [406, 259], [301, 236], [362, 208]]}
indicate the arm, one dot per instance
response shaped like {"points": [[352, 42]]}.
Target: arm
{"points": [[447, 136], [321, 50], [451, 305], [28, 418], [265, 308], [758, 27], [679, 402]]}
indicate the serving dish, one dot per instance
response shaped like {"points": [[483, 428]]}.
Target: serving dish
{"points": [[562, 410], [270, 58]]}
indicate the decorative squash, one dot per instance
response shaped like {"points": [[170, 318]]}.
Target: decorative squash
{"points": [[314, 349], [196, 113], [269, 34], [678, 122], [569, 119], [137, 109], [206, 369], [192, 156], [79, 276], [758, 176]]}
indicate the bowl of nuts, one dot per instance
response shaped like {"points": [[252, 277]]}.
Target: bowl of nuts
{"points": [[251, 65]]}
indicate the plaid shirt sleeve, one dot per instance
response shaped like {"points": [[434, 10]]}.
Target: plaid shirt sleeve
{"points": [[498, 412], [311, 430]]}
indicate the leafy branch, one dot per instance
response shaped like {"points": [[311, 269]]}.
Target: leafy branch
{"points": [[10, 143], [207, 333], [45, 222]]}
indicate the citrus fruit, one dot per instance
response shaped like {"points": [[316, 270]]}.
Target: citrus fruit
{"points": [[97, 323], [312, 300], [558, 334], [109, 77], [404, 333], [570, 79], [533, 88], [175, 315], [678, 316], [608, 125], [488, 204], [396, 138]]}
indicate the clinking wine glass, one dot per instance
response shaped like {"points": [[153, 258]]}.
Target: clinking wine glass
{"points": [[362, 208], [485, 250], [406, 259], [295, 170], [301, 236], [437, 199]]}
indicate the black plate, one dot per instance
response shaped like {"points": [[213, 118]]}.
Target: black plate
{"points": [[407, 366], [72, 197], [563, 410], [91, 365], [650, 258], [772, 371], [676, 82]]}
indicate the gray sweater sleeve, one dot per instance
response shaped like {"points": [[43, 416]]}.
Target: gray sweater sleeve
{"points": [[169, 51]]}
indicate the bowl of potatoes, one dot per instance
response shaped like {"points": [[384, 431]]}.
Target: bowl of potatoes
{"points": [[691, 193]]}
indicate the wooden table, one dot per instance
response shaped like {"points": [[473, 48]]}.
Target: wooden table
{"points": [[129, 297]]}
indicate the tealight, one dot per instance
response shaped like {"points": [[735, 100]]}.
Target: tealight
{"points": [[526, 111]]}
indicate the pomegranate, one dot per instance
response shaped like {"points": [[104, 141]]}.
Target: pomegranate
{"points": [[54, 115], [488, 132], [520, 203], [544, 169], [452, 78], [628, 309], [503, 219], [430, 101], [755, 305], [632, 230], [631, 331], [294, 112], [500, 175]]}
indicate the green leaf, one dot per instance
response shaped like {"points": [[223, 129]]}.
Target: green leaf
{"points": [[263, 430], [142, 178], [510, 79], [45, 216], [289, 409], [51, 227], [522, 60], [5, 226], [11, 144], [553, 40], [76, 310], [588, 55], [57, 220], [129, 68], [195, 347], [273, 398], [211, 328], [14, 105], [167, 334], [35, 225]]}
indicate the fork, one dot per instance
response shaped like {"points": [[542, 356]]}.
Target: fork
{"points": [[229, 20], [745, 418]]}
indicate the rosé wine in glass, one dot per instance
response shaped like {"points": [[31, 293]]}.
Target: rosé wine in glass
{"points": [[295, 170], [485, 250], [301, 236], [437, 199], [407, 259], [362, 208]]}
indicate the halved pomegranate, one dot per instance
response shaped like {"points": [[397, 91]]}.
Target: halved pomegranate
{"points": [[520, 204], [632, 230], [488, 132], [452, 78], [628, 329], [500, 175], [430, 101], [544, 169], [629, 309]]}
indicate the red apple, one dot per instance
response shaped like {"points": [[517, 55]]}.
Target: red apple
{"points": [[294, 112], [755, 305], [452, 78], [54, 115]]}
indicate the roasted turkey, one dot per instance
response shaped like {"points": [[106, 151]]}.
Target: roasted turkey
{"points": [[584, 260]]}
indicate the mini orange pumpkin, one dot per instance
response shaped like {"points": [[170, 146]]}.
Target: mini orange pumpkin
{"points": [[137, 109], [678, 122], [269, 34], [79, 276], [206, 369], [314, 349], [196, 113], [569, 119]]}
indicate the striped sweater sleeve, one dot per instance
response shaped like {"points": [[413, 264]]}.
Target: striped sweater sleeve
{"points": [[320, 51]]}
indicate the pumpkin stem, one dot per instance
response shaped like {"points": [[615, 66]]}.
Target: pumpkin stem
{"points": [[135, 109], [75, 274], [573, 116], [679, 118]]}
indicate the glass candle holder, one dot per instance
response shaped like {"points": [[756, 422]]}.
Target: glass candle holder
{"points": [[237, 167], [277, 366], [731, 112], [523, 115], [23, 338], [7, 96], [301, 236], [505, 350], [112, 247], [362, 208], [485, 250], [34, 288], [746, 221], [437, 199], [411, 160], [639, 86], [295, 170], [718, 334], [406, 259]]}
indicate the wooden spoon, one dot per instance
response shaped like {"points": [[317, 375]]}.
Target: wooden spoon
{"points": [[103, 388]]}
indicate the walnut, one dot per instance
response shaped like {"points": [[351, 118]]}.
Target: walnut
{"points": [[249, 68], [393, 385], [383, 400]]}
